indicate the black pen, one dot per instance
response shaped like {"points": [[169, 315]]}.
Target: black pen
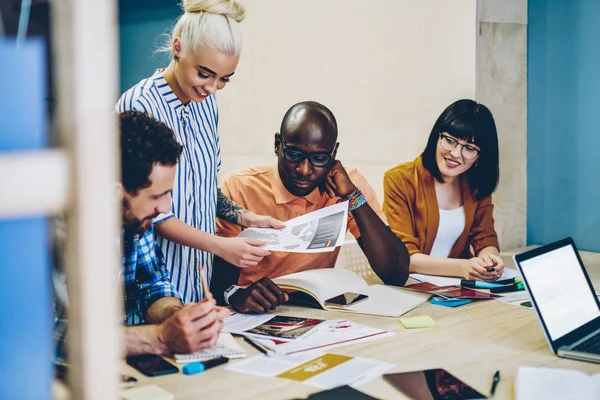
{"points": [[264, 349], [495, 381], [257, 346]]}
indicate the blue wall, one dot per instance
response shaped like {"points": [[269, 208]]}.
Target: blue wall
{"points": [[141, 25], [563, 171], [25, 298]]}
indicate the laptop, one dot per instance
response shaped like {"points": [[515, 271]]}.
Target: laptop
{"points": [[563, 298]]}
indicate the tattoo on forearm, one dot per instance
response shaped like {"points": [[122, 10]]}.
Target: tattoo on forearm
{"points": [[228, 210]]}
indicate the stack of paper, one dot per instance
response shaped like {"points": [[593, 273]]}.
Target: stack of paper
{"points": [[324, 334], [314, 368]]}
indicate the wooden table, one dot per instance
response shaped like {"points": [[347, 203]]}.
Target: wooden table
{"points": [[472, 342]]}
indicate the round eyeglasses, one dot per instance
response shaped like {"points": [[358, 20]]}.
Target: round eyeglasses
{"points": [[448, 143]]}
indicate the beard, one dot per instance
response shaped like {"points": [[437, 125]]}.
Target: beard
{"points": [[131, 223]]}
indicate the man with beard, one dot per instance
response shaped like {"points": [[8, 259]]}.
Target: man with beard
{"points": [[307, 177], [156, 320]]}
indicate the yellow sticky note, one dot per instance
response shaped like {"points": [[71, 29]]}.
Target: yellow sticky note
{"points": [[417, 322], [146, 393]]}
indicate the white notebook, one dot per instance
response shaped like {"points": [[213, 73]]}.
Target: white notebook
{"points": [[226, 346], [556, 384]]}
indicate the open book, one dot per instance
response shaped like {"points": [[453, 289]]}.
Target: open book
{"points": [[318, 285], [556, 384]]}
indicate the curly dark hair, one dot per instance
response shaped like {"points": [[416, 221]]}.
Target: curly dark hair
{"points": [[145, 141]]}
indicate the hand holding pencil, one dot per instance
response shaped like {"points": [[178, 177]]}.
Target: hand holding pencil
{"points": [[221, 311]]}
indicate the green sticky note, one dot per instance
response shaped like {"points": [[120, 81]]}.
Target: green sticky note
{"points": [[417, 322]]}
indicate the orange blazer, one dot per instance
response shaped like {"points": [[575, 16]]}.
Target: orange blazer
{"points": [[410, 205]]}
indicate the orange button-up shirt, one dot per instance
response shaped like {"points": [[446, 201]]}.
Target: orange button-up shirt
{"points": [[260, 190]]}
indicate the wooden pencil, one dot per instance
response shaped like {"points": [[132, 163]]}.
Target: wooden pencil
{"points": [[204, 281]]}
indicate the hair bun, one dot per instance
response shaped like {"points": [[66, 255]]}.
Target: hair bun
{"points": [[227, 8]]}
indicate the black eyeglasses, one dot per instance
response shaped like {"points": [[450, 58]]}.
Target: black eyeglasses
{"points": [[448, 143], [297, 156]]}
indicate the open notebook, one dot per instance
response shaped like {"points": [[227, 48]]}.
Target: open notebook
{"points": [[226, 346], [319, 285], [556, 384]]}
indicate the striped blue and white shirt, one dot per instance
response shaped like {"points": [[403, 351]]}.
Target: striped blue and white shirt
{"points": [[195, 188]]}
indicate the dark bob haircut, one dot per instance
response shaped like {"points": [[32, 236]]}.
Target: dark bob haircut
{"points": [[472, 122], [145, 141]]}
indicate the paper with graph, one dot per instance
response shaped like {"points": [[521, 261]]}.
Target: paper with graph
{"points": [[316, 232]]}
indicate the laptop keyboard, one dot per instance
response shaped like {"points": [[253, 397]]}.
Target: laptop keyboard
{"points": [[592, 345]]}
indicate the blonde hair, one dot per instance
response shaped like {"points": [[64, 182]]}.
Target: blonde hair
{"points": [[211, 23]]}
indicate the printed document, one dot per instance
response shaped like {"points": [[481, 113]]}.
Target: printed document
{"points": [[322, 334], [316, 232]]}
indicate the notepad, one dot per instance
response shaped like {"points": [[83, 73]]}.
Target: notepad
{"points": [[226, 346], [150, 392], [417, 322]]}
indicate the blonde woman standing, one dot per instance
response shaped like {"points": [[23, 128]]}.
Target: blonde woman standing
{"points": [[205, 46]]}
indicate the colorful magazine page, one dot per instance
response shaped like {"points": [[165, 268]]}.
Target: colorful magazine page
{"points": [[450, 292], [278, 328], [285, 327]]}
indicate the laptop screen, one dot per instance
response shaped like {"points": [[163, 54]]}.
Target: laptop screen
{"points": [[561, 292]]}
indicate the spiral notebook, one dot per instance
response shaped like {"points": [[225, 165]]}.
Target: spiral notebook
{"points": [[226, 346]]}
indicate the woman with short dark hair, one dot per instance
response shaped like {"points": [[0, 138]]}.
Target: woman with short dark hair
{"points": [[440, 204]]}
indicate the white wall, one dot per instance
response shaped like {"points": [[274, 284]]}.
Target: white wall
{"points": [[386, 68]]}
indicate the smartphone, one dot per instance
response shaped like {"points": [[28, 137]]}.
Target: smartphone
{"points": [[432, 384], [346, 299], [151, 365], [62, 371]]}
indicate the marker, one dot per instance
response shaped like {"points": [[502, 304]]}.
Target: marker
{"points": [[510, 280], [495, 381], [479, 284], [508, 288], [197, 367]]}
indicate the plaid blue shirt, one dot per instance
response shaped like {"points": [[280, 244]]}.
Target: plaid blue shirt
{"points": [[145, 280]]}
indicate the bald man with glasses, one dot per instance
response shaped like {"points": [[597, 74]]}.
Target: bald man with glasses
{"points": [[306, 178]]}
